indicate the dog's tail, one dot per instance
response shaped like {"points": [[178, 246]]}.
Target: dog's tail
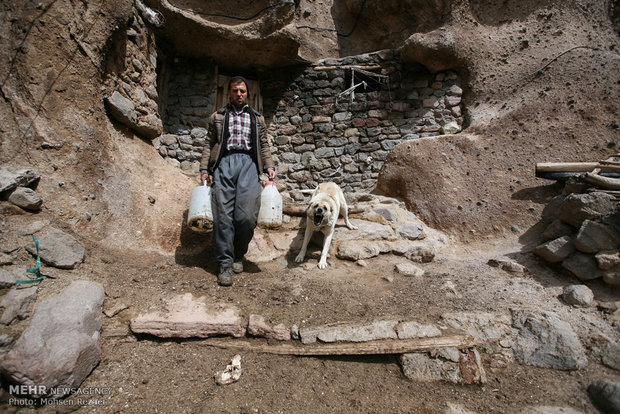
{"points": [[307, 191]]}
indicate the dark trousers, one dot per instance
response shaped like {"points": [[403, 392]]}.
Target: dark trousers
{"points": [[235, 201]]}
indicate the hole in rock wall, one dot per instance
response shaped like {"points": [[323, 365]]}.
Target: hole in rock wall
{"points": [[334, 120]]}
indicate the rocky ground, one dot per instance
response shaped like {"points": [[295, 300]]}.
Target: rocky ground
{"points": [[540, 85], [140, 373]]}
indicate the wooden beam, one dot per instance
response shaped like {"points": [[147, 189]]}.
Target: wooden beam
{"points": [[603, 182], [378, 347], [362, 67], [575, 167]]}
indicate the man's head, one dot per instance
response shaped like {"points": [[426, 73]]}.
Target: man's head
{"points": [[238, 90]]}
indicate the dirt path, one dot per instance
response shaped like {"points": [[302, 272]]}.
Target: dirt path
{"points": [[150, 375]]}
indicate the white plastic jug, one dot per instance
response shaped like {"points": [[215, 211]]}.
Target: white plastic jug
{"points": [[270, 213], [199, 216]]}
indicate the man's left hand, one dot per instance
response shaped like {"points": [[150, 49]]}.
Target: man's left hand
{"points": [[272, 174]]}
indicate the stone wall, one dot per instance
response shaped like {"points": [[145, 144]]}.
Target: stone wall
{"points": [[319, 131], [321, 134], [189, 87], [132, 97]]}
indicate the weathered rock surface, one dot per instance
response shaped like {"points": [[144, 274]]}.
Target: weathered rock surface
{"points": [[413, 329], [578, 295], [7, 279], [260, 249], [60, 347], [350, 332], [257, 326], [556, 250], [543, 340], [59, 249], [122, 109], [594, 237], [409, 269], [546, 409], [366, 230], [5, 344], [606, 396], [354, 250], [188, 317], [611, 355], [608, 260], [26, 198], [5, 259], [583, 266], [424, 367], [555, 230], [23, 178], [579, 207], [482, 326], [508, 265], [17, 304]]}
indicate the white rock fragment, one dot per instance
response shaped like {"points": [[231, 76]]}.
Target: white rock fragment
{"points": [[231, 374]]}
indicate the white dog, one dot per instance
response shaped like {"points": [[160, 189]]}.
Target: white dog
{"points": [[326, 203]]}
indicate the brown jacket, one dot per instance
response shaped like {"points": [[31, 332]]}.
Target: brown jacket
{"points": [[215, 146]]}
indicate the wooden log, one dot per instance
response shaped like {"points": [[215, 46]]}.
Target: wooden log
{"points": [[362, 67], [603, 182], [575, 167], [378, 347]]}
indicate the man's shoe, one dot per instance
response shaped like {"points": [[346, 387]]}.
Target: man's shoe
{"points": [[237, 267], [224, 278]]}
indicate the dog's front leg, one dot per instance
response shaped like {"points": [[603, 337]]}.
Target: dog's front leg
{"points": [[304, 245], [326, 243]]}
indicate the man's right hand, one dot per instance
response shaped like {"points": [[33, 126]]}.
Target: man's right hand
{"points": [[206, 177]]}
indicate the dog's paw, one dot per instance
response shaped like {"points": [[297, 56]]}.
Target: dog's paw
{"points": [[299, 258], [322, 265], [352, 227]]}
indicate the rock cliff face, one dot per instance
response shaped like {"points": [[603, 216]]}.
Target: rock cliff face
{"points": [[539, 83]]}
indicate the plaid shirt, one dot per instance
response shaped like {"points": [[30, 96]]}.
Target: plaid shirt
{"points": [[239, 129]]}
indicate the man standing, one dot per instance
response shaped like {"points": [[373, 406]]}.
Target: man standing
{"points": [[237, 150]]}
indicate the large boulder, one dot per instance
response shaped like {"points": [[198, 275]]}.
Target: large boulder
{"points": [[543, 340], [605, 395], [60, 347]]}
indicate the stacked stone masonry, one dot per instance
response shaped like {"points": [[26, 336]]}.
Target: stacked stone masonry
{"points": [[583, 235], [190, 100], [318, 131], [133, 98]]}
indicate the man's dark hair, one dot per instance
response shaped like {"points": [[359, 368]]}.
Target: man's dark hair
{"points": [[236, 79]]}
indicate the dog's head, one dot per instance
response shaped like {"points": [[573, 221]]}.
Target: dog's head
{"points": [[320, 212]]}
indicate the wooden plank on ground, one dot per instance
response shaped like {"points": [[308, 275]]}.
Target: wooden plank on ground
{"points": [[378, 347]]}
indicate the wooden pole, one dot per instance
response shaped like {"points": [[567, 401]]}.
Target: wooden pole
{"points": [[576, 167], [603, 182], [362, 67], [378, 347]]}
